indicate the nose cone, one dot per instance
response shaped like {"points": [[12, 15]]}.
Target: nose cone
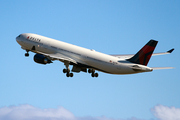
{"points": [[18, 39]]}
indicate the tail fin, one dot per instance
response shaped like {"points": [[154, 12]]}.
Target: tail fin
{"points": [[144, 55]]}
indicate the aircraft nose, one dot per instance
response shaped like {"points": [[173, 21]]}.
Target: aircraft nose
{"points": [[17, 38]]}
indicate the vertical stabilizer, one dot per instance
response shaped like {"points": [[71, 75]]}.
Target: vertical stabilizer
{"points": [[144, 55]]}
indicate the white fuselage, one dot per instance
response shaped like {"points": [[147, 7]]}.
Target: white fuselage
{"points": [[99, 61]]}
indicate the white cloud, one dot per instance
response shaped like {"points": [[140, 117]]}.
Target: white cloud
{"points": [[105, 118], [28, 112], [166, 113]]}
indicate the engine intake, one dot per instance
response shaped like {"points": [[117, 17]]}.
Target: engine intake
{"points": [[41, 59]]}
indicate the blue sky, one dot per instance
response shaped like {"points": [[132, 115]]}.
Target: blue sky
{"points": [[111, 27]]}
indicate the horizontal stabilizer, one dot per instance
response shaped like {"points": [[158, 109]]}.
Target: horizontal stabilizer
{"points": [[160, 68]]}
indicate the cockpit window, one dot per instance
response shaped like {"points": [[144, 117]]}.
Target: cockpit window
{"points": [[19, 35]]}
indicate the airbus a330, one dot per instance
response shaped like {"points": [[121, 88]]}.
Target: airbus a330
{"points": [[87, 60]]}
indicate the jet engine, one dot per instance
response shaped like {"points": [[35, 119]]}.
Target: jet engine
{"points": [[41, 59]]}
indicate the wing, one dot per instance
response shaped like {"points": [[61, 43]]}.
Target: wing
{"points": [[58, 56], [163, 53], [131, 55]]}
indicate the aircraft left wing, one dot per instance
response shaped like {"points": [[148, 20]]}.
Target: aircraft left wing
{"points": [[131, 55]]}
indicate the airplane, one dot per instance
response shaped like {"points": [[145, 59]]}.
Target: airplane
{"points": [[87, 60]]}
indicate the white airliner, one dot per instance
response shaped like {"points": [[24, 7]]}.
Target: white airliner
{"points": [[86, 60]]}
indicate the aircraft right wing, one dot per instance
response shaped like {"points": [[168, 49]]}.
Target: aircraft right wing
{"points": [[131, 55], [163, 53]]}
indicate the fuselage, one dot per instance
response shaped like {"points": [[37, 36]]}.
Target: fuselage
{"points": [[96, 60]]}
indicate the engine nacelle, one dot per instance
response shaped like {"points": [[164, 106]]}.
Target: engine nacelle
{"points": [[41, 59]]}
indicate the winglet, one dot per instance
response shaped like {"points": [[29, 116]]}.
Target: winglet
{"points": [[170, 51]]}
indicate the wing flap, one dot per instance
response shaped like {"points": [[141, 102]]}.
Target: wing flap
{"points": [[62, 58]]}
